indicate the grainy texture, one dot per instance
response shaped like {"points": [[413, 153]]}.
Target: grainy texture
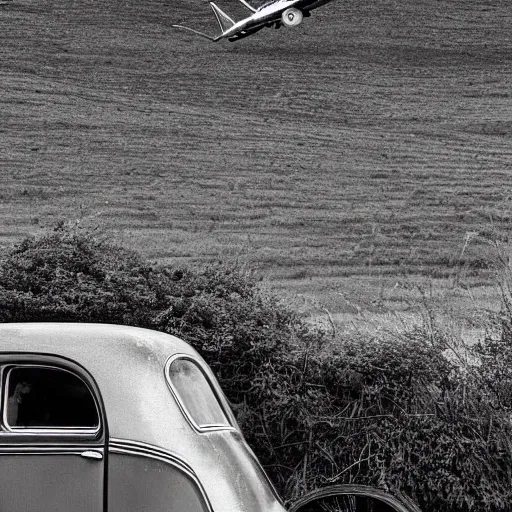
{"points": [[375, 135]]}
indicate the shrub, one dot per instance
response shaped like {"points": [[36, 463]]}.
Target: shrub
{"points": [[71, 276], [393, 414], [239, 330], [390, 412]]}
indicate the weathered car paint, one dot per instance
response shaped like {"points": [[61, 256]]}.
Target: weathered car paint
{"points": [[145, 425], [50, 481], [139, 481]]}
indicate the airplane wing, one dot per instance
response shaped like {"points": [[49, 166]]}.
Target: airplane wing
{"points": [[309, 5]]}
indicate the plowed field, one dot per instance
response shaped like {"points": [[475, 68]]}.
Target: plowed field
{"points": [[375, 139]]}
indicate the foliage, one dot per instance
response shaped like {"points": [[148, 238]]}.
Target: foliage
{"points": [[70, 276], [396, 413]]}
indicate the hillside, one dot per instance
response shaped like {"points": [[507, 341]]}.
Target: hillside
{"points": [[373, 140]]}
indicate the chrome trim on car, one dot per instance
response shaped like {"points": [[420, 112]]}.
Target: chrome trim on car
{"points": [[128, 447], [16, 449], [92, 455], [183, 407], [88, 432]]}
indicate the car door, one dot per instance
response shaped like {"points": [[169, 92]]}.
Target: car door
{"points": [[52, 437]]}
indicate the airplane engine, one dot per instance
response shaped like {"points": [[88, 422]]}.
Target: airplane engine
{"points": [[292, 17]]}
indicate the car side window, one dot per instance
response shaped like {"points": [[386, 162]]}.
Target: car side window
{"points": [[195, 395], [40, 397]]}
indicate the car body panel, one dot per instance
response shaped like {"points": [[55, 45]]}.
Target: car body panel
{"points": [[26, 478], [141, 482], [142, 417]]}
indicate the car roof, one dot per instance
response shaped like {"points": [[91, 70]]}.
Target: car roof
{"points": [[78, 341], [127, 364]]}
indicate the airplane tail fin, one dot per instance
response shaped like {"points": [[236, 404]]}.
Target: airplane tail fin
{"points": [[248, 5], [198, 32], [224, 21]]}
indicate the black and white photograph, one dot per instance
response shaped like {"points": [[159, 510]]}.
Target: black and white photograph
{"points": [[256, 256]]}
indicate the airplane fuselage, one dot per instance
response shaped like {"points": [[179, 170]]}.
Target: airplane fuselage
{"points": [[271, 14], [267, 13]]}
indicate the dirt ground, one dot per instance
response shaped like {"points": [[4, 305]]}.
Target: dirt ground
{"points": [[373, 139]]}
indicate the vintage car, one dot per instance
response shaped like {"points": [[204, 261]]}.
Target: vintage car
{"points": [[98, 418]]}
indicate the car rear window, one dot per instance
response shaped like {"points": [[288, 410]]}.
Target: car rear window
{"points": [[39, 397], [195, 395]]}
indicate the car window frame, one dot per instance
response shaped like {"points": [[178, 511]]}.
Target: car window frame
{"points": [[217, 392], [92, 434]]}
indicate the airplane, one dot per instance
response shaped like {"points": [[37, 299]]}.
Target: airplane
{"points": [[271, 14]]}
